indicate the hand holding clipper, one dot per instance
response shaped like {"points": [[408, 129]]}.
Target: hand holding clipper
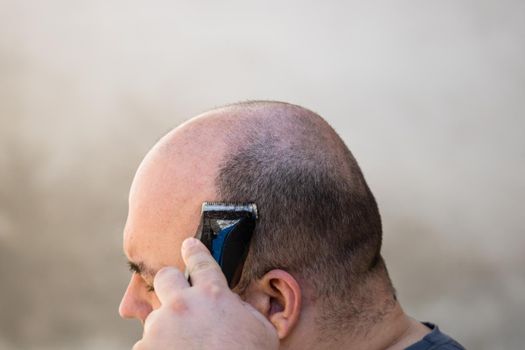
{"points": [[194, 317]]}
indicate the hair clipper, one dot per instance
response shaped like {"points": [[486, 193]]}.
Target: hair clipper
{"points": [[226, 230]]}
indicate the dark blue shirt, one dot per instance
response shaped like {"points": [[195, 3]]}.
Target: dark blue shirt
{"points": [[435, 340]]}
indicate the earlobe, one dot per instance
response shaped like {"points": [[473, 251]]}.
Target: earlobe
{"points": [[277, 295]]}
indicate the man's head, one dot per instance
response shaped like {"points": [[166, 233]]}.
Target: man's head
{"points": [[318, 221]]}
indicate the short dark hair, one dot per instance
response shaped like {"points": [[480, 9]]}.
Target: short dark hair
{"points": [[317, 217]]}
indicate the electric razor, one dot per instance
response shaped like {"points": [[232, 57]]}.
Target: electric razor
{"points": [[226, 230]]}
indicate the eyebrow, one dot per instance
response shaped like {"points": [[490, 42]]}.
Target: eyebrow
{"points": [[141, 269]]}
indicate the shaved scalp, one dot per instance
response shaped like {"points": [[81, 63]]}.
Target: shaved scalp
{"points": [[318, 218]]}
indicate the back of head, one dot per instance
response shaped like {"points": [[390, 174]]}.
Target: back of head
{"points": [[318, 218]]}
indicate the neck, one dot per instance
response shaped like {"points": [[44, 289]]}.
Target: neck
{"points": [[395, 331]]}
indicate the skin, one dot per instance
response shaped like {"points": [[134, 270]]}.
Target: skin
{"points": [[164, 209], [169, 187], [206, 315]]}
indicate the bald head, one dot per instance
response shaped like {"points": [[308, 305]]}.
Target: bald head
{"points": [[317, 218]]}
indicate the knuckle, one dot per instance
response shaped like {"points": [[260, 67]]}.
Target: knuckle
{"points": [[154, 330], [213, 290], [201, 265], [178, 304]]}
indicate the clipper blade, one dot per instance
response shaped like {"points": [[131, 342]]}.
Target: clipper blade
{"points": [[229, 209]]}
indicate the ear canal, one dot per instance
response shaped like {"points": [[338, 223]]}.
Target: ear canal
{"points": [[275, 306]]}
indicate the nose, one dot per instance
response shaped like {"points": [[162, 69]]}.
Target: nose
{"points": [[134, 303]]}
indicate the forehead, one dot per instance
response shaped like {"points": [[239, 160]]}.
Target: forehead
{"points": [[164, 204]]}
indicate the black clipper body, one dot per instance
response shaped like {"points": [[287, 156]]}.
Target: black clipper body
{"points": [[226, 230]]}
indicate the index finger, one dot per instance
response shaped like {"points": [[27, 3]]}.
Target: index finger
{"points": [[168, 282], [201, 266]]}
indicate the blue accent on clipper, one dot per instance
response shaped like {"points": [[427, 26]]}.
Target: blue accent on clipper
{"points": [[218, 243]]}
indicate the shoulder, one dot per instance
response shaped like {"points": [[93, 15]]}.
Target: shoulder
{"points": [[436, 340]]}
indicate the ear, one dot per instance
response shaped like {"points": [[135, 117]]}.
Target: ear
{"points": [[277, 296]]}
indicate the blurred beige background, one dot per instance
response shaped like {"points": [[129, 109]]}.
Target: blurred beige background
{"points": [[429, 96]]}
